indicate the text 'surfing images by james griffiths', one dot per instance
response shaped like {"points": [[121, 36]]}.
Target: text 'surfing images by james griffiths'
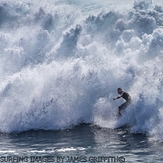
{"points": [[61, 159]]}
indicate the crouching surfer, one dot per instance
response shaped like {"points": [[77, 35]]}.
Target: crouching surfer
{"points": [[126, 96]]}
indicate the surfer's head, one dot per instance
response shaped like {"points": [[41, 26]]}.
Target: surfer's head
{"points": [[119, 90]]}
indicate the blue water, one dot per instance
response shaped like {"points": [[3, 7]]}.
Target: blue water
{"points": [[86, 143], [61, 62]]}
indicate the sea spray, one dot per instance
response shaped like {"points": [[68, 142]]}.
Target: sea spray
{"points": [[61, 64]]}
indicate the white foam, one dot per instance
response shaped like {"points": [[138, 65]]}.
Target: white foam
{"points": [[61, 64]]}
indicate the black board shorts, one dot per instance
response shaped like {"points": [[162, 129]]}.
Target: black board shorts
{"points": [[124, 105]]}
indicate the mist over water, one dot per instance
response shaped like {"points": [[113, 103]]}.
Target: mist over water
{"points": [[62, 61]]}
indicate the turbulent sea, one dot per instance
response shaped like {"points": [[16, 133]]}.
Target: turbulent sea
{"points": [[61, 62]]}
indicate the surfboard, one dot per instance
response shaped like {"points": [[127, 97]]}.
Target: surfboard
{"points": [[124, 127]]}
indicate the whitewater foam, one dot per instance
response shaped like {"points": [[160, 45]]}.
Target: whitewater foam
{"points": [[61, 64]]}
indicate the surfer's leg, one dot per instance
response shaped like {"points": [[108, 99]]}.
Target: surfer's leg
{"points": [[119, 111], [121, 108]]}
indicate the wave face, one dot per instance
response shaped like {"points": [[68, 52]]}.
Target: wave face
{"points": [[62, 61]]}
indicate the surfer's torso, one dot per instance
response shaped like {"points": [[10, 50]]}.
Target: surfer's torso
{"points": [[126, 96]]}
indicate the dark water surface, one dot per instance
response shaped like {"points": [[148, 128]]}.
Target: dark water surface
{"points": [[84, 143]]}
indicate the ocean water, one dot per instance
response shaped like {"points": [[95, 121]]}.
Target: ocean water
{"points": [[61, 62], [83, 143]]}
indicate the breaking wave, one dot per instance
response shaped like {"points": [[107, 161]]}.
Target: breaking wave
{"points": [[61, 63]]}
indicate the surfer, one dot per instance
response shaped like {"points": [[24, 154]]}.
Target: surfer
{"points": [[124, 95]]}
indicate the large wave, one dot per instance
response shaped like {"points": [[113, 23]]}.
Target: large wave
{"points": [[61, 63]]}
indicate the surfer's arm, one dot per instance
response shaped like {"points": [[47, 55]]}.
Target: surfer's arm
{"points": [[117, 98]]}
